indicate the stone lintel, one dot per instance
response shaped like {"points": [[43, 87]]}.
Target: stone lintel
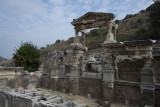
{"points": [[138, 43], [142, 48], [112, 45], [127, 83], [92, 16]]}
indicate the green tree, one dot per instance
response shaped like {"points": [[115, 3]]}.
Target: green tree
{"points": [[117, 21], [58, 41], [154, 27], [27, 56]]}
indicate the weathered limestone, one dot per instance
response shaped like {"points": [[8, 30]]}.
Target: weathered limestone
{"points": [[84, 32], [92, 20], [110, 68], [77, 53], [10, 72], [10, 98], [143, 49], [58, 67], [75, 70], [95, 20], [110, 38], [133, 84]]}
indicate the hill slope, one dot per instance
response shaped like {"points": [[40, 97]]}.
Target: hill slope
{"points": [[2, 59], [126, 31]]}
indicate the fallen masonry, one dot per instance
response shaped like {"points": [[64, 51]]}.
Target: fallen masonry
{"points": [[30, 98]]}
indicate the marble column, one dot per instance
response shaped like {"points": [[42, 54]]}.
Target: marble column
{"points": [[111, 50], [77, 56], [76, 39]]}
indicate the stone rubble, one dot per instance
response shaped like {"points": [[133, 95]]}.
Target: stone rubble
{"points": [[37, 98]]}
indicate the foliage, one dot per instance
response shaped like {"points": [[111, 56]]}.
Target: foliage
{"points": [[117, 21], [156, 0], [97, 32], [27, 56], [142, 11], [153, 31], [58, 41], [130, 15], [139, 20]]}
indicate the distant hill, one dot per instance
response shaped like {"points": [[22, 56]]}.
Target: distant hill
{"points": [[132, 24], [143, 25], [127, 28], [2, 59]]}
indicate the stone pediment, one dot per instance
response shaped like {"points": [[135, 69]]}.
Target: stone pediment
{"points": [[92, 20], [93, 16]]}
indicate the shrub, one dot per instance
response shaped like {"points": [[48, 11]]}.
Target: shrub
{"points": [[27, 56]]}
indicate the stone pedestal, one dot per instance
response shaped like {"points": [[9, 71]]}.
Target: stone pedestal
{"points": [[147, 85], [110, 68], [75, 72], [110, 38], [108, 76], [78, 50]]}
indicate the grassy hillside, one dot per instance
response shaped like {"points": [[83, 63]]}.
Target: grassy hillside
{"points": [[126, 31], [144, 25]]}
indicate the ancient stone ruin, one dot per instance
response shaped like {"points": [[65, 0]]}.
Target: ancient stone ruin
{"points": [[123, 74]]}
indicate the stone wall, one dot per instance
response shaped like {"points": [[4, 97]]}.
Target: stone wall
{"points": [[82, 86], [126, 87], [3, 82], [9, 100], [130, 70], [46, 82], [156, 64], [63, 83], [22, 81], [127, 92], [90, 86], [10, 72]]}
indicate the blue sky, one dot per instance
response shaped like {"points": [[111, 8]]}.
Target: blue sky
{"points": [[44, 21]]}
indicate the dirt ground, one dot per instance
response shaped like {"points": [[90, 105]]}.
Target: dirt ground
{"points": [[75, 98]]}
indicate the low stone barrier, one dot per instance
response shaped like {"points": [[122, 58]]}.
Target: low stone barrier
{"points": [[10, 98]]}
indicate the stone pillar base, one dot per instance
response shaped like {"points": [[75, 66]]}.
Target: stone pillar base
{"points": [[75, 72], [147, 77], [147, 87], [110, 41], [110, 38], [148, 98], [108, 77]]}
